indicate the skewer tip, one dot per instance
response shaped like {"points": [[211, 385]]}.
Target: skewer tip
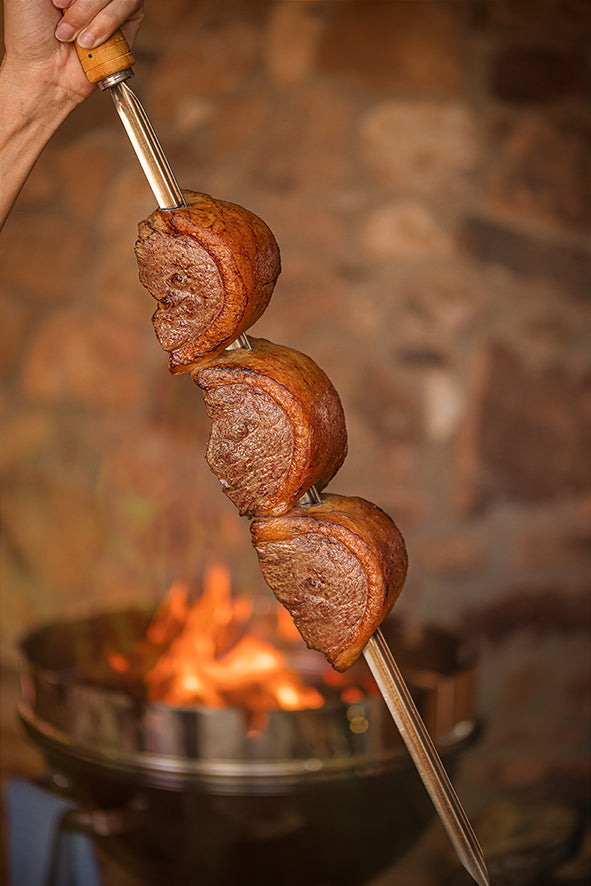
{"points": [[476, 867]]}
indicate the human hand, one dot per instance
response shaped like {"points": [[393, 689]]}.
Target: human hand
{"points": [[39, 40], [41, 78]]}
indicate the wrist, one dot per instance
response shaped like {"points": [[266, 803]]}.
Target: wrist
{"points": [[30, 112], [29, 99]]}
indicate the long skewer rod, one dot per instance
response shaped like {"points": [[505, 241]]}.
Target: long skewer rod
{"points": [[377, 654], [425, 757], [147, 147], [424, 754]]}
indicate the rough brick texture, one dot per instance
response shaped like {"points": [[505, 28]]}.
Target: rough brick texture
{"points": [[425, 169]]}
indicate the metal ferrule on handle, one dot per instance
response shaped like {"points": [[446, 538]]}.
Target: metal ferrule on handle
{"points": [[110, 65]]}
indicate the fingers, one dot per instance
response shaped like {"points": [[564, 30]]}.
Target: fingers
{"points": [[91, 22]]}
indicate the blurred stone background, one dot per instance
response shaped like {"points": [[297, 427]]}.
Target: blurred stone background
{"points": [[425, 169]]}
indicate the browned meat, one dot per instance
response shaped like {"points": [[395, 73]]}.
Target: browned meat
{"points": [[212, 267], [338, 567], [277, 426]]}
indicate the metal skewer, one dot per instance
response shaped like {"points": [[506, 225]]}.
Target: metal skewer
{"points": [[418, 742], [376, 652], [145, 144], [110, 65], [425, 757]]}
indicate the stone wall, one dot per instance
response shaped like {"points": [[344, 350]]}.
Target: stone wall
{"points": [[425, 169]]}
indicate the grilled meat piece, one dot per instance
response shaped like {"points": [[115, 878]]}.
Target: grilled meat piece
{"points": [[337, 567], [212, 267], [277, 426]]}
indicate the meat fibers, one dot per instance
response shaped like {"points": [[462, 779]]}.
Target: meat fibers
{"points": [[337, 567], [277, 426], [212, 267]]}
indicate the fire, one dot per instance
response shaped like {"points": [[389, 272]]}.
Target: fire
{"points": [[211, 654]]}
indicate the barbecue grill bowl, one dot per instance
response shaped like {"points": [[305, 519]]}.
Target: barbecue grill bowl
{"points": [[187, 795]]}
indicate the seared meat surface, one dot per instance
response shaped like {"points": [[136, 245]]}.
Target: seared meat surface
{"points": [[212, 267], [338, 567], [277, 426]]}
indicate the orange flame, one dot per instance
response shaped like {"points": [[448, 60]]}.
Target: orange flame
{"points": [[210, 660], [214, 652]]}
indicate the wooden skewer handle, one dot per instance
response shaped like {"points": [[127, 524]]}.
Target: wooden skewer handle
{"points": [[109, 58]]}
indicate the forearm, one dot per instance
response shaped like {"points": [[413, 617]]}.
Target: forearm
{"points": [[28, 118]]}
